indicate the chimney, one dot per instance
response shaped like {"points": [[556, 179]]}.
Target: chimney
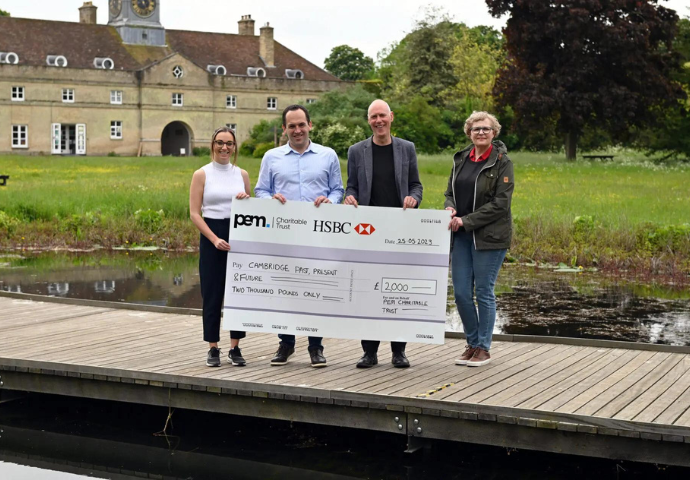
{"points": [[266, 45], [87, 13], [246, 25]]}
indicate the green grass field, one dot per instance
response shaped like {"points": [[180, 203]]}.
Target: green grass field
{"points": [[76, 201], [617, 194]]}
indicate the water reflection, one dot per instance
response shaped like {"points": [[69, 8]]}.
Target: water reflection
{"points": [[530, 301]]}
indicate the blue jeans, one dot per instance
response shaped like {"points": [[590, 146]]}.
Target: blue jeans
{"points": [[289, 341], [475, 271]]}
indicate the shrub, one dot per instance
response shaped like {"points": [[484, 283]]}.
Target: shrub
{"points": [[76, 223], [113, 154], [340, 138], [671, 238], [8, 224], [201, 152], [149, 220], [262, 148], [248, 147]]}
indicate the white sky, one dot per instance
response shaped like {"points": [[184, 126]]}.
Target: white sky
{"points": [[309, 27]]}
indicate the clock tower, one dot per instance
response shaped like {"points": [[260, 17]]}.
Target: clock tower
{"points": [[137, 21]]}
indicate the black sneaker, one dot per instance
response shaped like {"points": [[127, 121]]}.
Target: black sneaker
{"points": [[235, 357], [282, 355], [213, 358], [317, 358], [368, 360], [400, 360]]}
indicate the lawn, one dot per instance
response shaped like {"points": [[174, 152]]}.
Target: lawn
{"points": [[70, 201]]}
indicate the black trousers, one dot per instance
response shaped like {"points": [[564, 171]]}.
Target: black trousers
{"points": [[212, 268], [372, 346]]}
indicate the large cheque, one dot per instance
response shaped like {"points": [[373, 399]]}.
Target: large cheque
{"points": [[337, 271]]}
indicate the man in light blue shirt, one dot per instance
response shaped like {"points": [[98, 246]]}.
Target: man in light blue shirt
{"points": [[303, 171]]}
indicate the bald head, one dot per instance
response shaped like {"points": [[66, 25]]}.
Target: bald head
{"points": [[377, 104], [380, 118]]}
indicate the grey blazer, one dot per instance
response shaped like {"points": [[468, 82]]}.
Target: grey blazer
{"points": [[360, 170]]}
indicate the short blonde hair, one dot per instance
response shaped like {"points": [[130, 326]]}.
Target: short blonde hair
{"points": [[478, 117]]}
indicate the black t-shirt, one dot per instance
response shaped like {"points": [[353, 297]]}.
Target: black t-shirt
{"points": [[384, 192], [464, 186]]}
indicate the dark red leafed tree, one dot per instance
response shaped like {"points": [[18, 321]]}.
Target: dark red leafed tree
{"points": [[602, 63]]}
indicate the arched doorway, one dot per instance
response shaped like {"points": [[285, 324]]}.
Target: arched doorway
{"points": [[176, 139]]}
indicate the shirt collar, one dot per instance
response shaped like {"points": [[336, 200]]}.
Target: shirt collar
{"points": [[313, 147], [483, 157]]}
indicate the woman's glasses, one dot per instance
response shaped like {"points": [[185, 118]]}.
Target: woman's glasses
{"points": [[220, 143], [481, 129]]}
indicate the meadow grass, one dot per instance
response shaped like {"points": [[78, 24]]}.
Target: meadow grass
{"points": [[80, 201]]}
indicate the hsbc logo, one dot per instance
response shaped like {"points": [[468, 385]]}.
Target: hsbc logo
{"points": [[328, 226], [365, 229]]}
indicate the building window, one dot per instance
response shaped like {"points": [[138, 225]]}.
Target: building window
{"points": [[232, 126], [272, 103], [177, 71], [116, 97], [311, 100], [17, 94], [116, 130], [231, 101], [177, 99], [68, 95], [20, 136]]}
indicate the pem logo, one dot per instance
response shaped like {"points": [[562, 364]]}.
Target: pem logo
{"points": [[250, 221], [328, 226], [365, 229]]}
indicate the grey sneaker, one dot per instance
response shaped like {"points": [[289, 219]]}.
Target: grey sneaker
{"points": [[213, 357], [235, 357]]}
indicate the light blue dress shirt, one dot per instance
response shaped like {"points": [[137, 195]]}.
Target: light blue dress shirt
{"points": [[302, 177]]}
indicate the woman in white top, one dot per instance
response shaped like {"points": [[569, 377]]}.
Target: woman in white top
{"points": [[214, 187]]}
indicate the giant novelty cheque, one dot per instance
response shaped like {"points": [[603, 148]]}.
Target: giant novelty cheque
{"points": [[337, 271]]}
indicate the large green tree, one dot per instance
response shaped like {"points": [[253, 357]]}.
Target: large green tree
{"points": [[349, 63], [604, 64], [4, 13]]}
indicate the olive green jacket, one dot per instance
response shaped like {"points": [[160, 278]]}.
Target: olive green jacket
{"points": [[491, 221]]}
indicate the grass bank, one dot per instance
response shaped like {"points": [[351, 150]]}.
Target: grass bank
{"points": [[629, 213]]}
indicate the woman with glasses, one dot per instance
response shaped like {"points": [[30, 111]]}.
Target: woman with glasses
{"points": [[478, 197], [214, 187]]}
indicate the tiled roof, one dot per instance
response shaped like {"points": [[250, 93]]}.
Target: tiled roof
{"points": [[80, 43]]}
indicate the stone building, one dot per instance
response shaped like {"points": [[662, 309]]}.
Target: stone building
{"points": [[134, 88]]}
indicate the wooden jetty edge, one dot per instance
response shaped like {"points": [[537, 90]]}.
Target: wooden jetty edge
{"points": [[614, 400]]}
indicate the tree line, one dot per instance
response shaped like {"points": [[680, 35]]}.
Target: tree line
{"points": [[562, 75]]}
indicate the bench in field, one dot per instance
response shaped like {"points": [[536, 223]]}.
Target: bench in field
{"points": [[3, 180], [603, 157]]}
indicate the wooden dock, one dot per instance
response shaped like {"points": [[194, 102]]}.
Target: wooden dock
{"points": [[604, 399]]}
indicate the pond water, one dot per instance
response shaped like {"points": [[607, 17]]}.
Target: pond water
{"points": [[531, 301]]}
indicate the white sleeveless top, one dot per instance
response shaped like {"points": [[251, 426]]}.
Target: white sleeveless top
{"points": [[223, 182]]}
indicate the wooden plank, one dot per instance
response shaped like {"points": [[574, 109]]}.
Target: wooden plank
{"points": [[602, 368], [652, 402], [535, 380], [578, 403], [615, 399]]}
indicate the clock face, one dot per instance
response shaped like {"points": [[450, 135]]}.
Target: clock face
{"points": [[115, 7], [144, 8]]}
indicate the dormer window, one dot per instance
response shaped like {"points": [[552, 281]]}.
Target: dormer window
{"points": [[294, 74], [256, 72], [217, 69], [56, 61], [10, 58], [103, 62]]}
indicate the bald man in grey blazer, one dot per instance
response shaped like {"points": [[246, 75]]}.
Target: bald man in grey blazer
{"points": [[382, 172]]}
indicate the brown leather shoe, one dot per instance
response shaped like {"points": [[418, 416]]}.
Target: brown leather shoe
{"points": [[480, 357], [466, 355]]}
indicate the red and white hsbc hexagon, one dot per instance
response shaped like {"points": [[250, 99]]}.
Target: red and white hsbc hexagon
{"points": [[365, 229]]}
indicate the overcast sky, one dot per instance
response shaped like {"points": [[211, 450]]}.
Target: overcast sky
{"points": [[309, 27]]}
